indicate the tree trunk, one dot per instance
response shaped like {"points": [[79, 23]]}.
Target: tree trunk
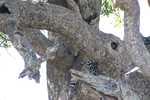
{"points": [[83, 63]]}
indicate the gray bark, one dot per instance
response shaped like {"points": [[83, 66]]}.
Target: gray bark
{"points": [[74, 38]]}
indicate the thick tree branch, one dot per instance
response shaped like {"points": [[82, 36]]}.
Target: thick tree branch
{"points": [[100, 83], [32, 64], [54, 17], [107, 85], [38, 41], [24, 47], [133, 38], [61, 20], [89, 43], [109, 51], [71, 26]]}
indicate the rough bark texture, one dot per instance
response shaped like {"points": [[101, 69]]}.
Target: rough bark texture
{"points": [[75, 42]]}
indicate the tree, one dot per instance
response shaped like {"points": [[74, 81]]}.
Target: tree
{"points": [[83, 63]]}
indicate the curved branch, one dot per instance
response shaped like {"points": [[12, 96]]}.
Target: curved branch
{"points": [[133, 39], [63, 21]]}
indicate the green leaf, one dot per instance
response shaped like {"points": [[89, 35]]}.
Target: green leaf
{"points": [[4, 42], [117, 21], [107, 7]]}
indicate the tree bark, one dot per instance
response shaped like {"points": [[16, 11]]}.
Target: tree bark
{"points": [[74, 39]]}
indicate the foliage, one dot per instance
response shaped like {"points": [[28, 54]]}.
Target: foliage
{"points": [[107, 7], [118, 19], [4, 41]]}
